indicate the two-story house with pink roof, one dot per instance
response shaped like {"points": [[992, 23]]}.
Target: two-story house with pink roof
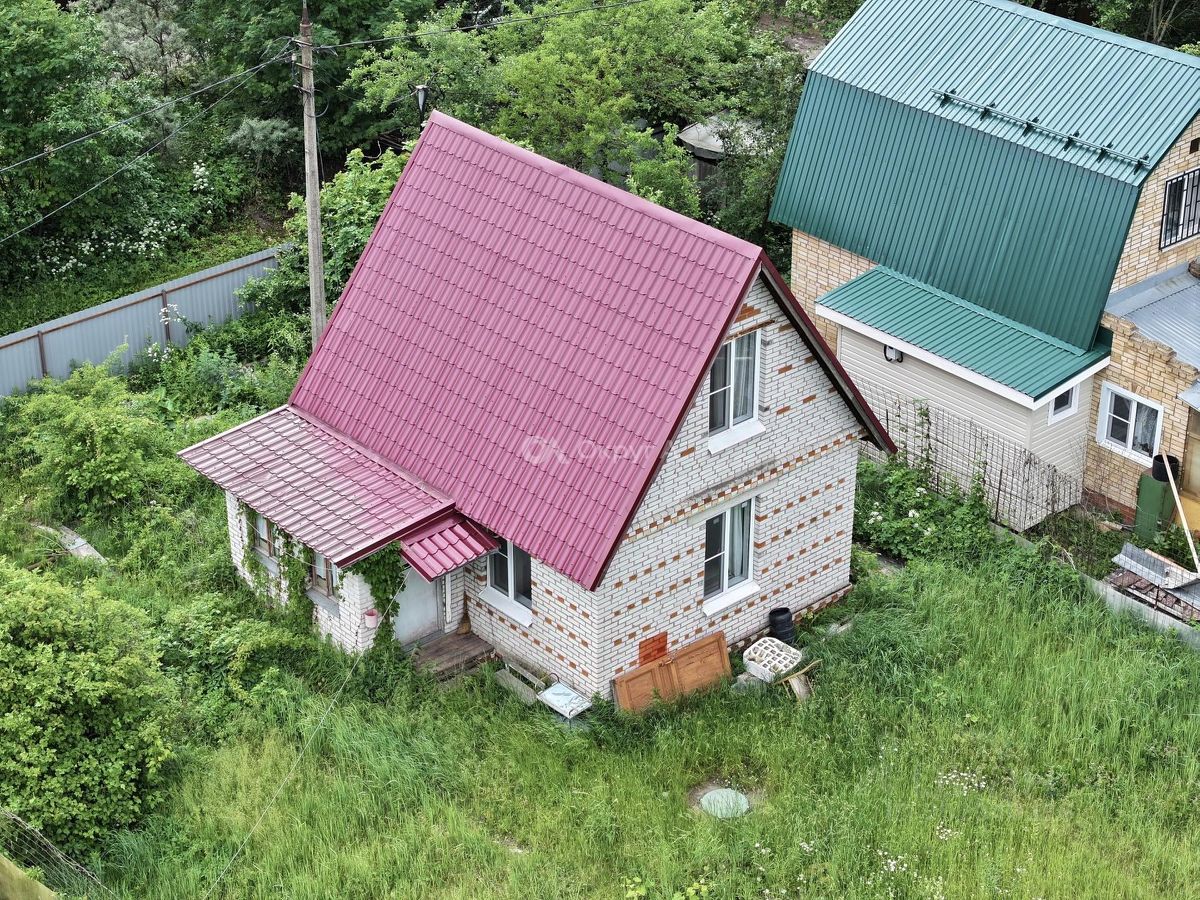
{"points": [[587, 422]]}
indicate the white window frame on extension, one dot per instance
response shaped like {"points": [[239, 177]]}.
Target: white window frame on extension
{"points": [[722, 534], [1057, 415], [731, 419], [1109, 395], [509, 582]]}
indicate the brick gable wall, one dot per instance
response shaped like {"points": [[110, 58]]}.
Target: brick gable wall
{"points": [[801, 470]]}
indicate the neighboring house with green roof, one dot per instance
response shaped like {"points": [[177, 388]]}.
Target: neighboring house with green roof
{"points": [[967, 182]]}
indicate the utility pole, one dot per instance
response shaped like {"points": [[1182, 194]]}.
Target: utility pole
{"points": [[312, 181]]}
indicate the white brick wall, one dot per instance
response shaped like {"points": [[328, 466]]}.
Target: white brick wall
{"points": [[341, 620], [802, 471]]}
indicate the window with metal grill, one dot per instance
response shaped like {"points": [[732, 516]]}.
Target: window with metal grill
{"points": [[1181, 209]]}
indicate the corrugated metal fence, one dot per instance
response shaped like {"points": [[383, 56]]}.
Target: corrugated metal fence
{"points": [[1021, 488], [90, 335]]}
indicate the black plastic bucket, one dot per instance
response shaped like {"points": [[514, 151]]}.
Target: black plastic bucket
{"points": [[1158, 471], [783, 627]]}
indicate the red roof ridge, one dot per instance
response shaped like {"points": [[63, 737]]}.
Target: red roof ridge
{"points": [[597, 186]]}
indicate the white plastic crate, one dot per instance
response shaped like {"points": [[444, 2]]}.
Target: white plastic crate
{"points": [[769, 659]]}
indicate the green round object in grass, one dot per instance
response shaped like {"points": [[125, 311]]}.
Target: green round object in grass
{"points": [[725, 803]]}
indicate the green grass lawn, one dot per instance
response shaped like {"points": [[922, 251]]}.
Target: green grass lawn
{"points": [[24, 305], [968, 737]]}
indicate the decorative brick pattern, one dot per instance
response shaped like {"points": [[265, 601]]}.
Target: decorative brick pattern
{"points": [[1141, 256], [1148, 369], [802, 472], [817, 268]]}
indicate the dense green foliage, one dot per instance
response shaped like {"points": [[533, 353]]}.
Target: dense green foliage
{"points": [[83, 738], [986, 726]]}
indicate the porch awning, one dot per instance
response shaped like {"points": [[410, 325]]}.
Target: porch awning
{"points": [[445, 544], [324, 490]]}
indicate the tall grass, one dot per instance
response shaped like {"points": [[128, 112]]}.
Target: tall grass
{"points": [[972, 735]]}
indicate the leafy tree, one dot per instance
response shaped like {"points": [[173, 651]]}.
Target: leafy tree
{"points": [[147, 37], [350, 206], [84, 734], [661, 170], [84, 445], [58, 84]]}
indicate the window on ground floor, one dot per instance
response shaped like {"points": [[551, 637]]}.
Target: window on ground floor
{"points": [[727, 548], [263, 535], [510, 573], [322, 575], [1128, 423]]}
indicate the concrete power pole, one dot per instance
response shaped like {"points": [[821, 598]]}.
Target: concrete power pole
{"points": [[312, 181]]}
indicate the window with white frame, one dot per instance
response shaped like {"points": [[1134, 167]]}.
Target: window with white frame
{"points": [[263, 535], [728, 549], [322, 575], [509, 573], [1128, 423], [733, 384], [1064, 404], [1181, 209]]}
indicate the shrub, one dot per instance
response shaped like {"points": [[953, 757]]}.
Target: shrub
{"points": [[83, 445], [83, 738]]}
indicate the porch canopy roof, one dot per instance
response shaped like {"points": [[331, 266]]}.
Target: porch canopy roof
{"points": [[335, 496]]}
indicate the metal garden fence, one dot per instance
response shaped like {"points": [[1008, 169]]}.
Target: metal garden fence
{"points": [[136, 320], [1021, 489]]}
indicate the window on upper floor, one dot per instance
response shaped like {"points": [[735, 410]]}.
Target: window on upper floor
{"points": [[733, 386], [728, 548], [509, 573], [1181, 209], [1128, 424]]}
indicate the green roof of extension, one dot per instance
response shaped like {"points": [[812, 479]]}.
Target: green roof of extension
{"points": [[989, 344], [932, 137]]}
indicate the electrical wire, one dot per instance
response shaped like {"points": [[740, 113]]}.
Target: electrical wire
{"points": [[291, 772], [514, 20], [107, 178], [171, 102]]}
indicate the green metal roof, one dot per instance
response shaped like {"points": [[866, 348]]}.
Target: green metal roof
{"points": [[975, 338], [884, 161], [1029, 66]]}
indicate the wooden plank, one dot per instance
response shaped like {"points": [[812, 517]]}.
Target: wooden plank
{"points": [[16, 885], [692, 667]]}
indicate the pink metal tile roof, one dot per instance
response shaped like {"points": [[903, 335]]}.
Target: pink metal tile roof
{"points": [[444, 545], [320, 488], [525, 339]]}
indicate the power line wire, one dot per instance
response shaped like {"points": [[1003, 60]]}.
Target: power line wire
{"points": [[514, 20], [171, 102], [106, 179], [292, 771]]}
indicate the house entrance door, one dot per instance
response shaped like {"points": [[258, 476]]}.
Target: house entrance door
{"points": [[418, 609]]}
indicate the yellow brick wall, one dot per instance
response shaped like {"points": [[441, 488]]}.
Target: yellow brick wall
{"points": [[1141, 256], [1147, 369], [817, 268]]}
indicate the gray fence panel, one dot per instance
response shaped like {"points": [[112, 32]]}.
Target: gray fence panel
{"points": [[91, 335], [20, 362]]}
